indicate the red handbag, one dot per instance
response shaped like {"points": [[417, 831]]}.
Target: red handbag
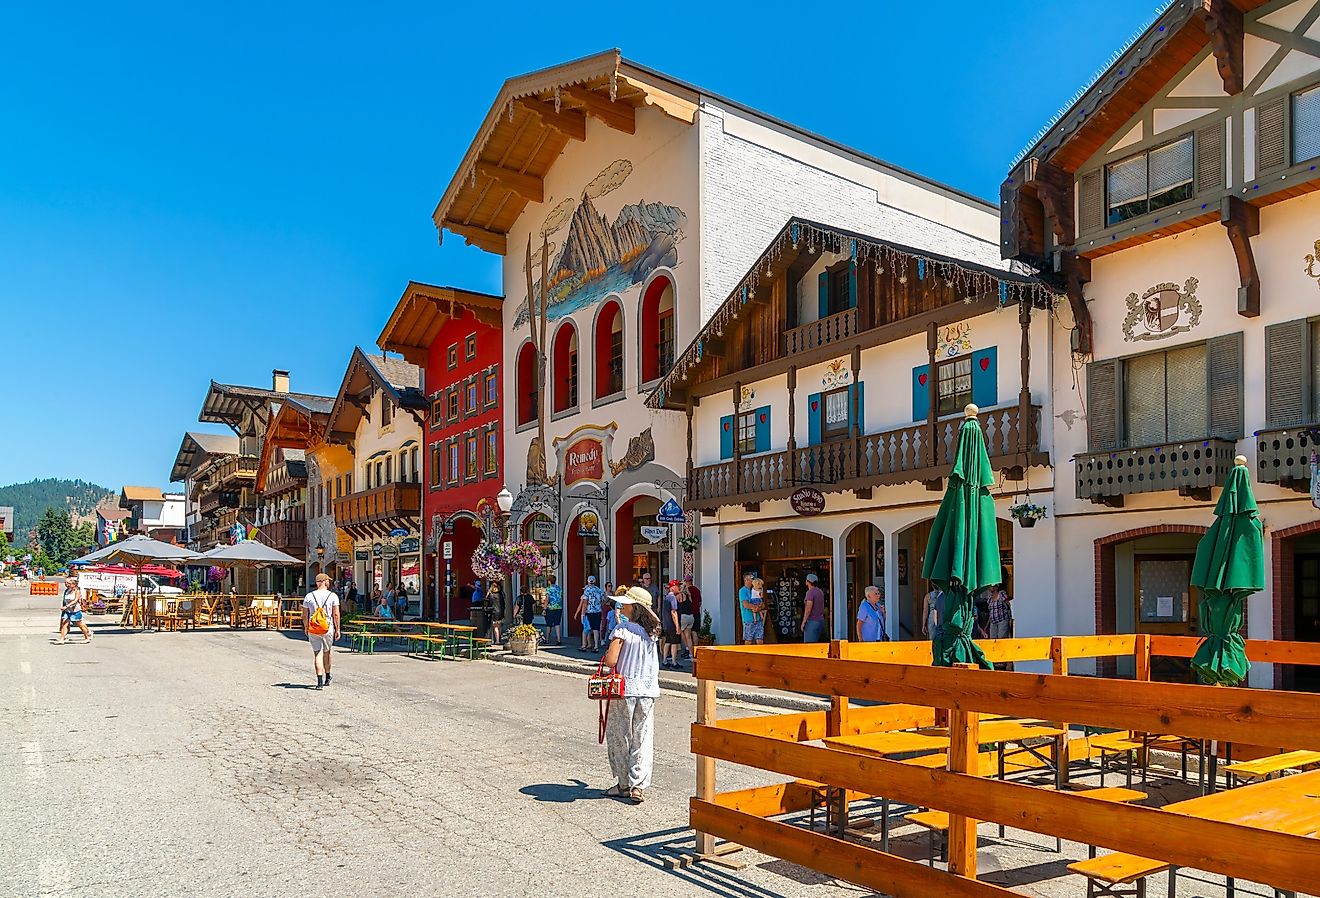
{"points": [[605, 688]]}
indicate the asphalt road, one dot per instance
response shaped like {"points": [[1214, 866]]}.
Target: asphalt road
{"points": [[199, 764]]}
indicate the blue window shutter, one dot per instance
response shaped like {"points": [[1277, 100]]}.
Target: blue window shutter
{"points": [[763, 429], [920, 393], [985, 377], [726, 437], [813, 419], [852, 285], [824, 295], [857, 395]]}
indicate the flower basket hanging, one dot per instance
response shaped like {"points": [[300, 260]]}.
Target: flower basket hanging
{"points": [[492, 561], [689, 544], [1027, 513]]}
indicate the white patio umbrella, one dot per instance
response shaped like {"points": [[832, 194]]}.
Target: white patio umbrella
{"points": [[249, 553]]}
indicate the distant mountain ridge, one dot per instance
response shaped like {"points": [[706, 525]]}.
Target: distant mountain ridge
{"points": [[32, 498]]}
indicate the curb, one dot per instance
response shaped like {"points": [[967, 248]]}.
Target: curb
{"points": [[689, 687]]}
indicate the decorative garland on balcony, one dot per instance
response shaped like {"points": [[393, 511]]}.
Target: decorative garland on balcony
{"points": [[968, 278]]}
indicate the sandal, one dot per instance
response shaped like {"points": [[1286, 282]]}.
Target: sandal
{"points": [[616, 791], [636, 796]]}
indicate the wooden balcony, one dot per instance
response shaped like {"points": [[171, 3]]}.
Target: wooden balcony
{"points": [[902, 455], [1191, 467], [1283, 456], [287, 536], [237, 467], [831, 329], [375, 512]]}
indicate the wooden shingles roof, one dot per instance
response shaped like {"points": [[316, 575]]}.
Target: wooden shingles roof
{"points": [[423, 310], [527, 128]]}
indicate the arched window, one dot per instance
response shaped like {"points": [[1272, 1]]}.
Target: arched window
{"points": [[528, 393], [609, 350], [565, 367], [657, 347]]}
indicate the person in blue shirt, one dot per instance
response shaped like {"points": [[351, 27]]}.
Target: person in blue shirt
{"points": [[752, 608], [554, 611], [871, 617]]}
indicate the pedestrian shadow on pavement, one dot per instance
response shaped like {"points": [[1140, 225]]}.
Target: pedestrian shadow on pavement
{"points": [[561, 793], [661, 850], [291, 686]]}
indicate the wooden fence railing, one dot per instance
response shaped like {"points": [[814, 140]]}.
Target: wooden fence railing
{"points": [[899, 675]]}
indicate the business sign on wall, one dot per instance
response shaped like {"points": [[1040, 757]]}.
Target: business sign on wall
{"points": [[589, 524], [584, 459], [807, 500]]}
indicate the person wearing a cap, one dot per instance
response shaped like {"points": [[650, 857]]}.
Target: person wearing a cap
{"points": [[813, 613], [630, 731], [670, 627], [324, 598]]}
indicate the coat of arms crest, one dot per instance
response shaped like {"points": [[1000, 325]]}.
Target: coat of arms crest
{"points": [[1162, 311]]}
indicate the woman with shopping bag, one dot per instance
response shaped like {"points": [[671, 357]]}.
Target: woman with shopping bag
{"points": [[628, 683]]}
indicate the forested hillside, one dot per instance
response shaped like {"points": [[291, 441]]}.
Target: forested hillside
{"points": [[32, 498]]}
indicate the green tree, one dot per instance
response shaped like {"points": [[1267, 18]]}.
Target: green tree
{"points": [[55, 534], [84, 539], [5, 548]]}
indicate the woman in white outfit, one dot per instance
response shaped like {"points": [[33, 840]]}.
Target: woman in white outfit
{"points": [[630, 732]]}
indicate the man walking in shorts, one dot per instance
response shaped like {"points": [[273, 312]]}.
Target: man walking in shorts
{"points": [[320, 614]]}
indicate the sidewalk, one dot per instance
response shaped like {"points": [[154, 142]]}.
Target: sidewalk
{"points": [[569, 659]]}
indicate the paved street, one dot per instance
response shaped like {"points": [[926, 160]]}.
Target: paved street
{"points": [[200, 764]]}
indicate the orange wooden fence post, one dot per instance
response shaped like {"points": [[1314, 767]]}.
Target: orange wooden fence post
{"points": [[1062, 751], [964, 757], [1141, 654], [705, 765], [836, 723]]}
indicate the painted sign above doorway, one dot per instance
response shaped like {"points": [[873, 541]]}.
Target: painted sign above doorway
{"points": [[807, 500], [584, 459]]}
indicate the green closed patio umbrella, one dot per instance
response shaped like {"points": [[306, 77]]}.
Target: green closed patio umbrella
{"points": [[1229, 566], [962, 556]]}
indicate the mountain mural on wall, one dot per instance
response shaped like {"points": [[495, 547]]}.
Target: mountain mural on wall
{"points": [[599, 257]]}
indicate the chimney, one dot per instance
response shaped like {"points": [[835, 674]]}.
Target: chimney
{"points": [[279, 381]]}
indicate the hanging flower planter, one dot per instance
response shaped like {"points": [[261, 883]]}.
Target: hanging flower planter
{"points": [[689, 544], [1027, 513], [492, 561]]}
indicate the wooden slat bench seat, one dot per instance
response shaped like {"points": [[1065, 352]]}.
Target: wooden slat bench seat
{"points": [[1115, 745], [1264, 768], [1108, 874], [430, 645], [365, 640]]}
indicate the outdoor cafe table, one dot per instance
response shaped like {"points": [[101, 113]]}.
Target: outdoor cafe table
{"points": [[457, 636]]}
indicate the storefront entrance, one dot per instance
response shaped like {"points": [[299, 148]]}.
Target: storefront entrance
{"points": [[783, 558], [640, 553], [912, 588]]}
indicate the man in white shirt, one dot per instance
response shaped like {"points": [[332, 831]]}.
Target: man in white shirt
{"points": [[320, 609]]}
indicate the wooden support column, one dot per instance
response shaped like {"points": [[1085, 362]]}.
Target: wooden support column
{"points": [[737, 451], [836, 720], [1076, 273], [1059, 660], [706, 714], [792, 425], [933, 395], [689, 447], [1223, 23], [1054, 187], [964, 757], [1024, 434], [1242, 221], [1141, 655], [855, 430]]}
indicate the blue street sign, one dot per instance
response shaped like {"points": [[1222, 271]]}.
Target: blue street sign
{"points": [[670, 513]]}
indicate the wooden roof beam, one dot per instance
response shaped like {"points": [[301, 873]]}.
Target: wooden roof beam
{"points": [[567, 122], [1242, 221], [1223, 23], [619, 116], [529, 187], [1054, 187], [490, 241]]}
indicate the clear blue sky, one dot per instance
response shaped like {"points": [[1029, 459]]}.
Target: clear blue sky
{"points": [[190, 193]]}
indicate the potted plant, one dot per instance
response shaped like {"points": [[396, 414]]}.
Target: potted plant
{"points": [[1027, 513], [704, 635], [689, 543], [523, 638]]}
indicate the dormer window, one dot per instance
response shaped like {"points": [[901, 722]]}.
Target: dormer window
{"points": [[1149, 180]]}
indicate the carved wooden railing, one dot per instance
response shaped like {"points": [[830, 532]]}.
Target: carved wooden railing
{"points": [[238, 466], [831, 329], [379, 505], [875, 459], [287, 536], [1190, 467], [1283, 456]]}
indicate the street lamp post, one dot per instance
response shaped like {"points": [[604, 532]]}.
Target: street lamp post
{"points": [[320, 557], [505, 503]]}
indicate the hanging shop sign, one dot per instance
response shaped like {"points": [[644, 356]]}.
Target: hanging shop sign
{"points": [[344, 557], [807, 500], [362, 555], [589, 524], [375, 550], [410, 546], [543, 531], [584, 460], [655, 534], [1315, 480], [398, 533], [671, 513], [448, 550], [389, 551]]}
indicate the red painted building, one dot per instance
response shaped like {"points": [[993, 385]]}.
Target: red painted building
{"points": [[455, 336]]}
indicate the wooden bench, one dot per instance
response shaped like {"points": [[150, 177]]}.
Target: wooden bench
{"points": [[430, 644], [365, 640], [1107, 875], [1264, 768], [1114, 745]]}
